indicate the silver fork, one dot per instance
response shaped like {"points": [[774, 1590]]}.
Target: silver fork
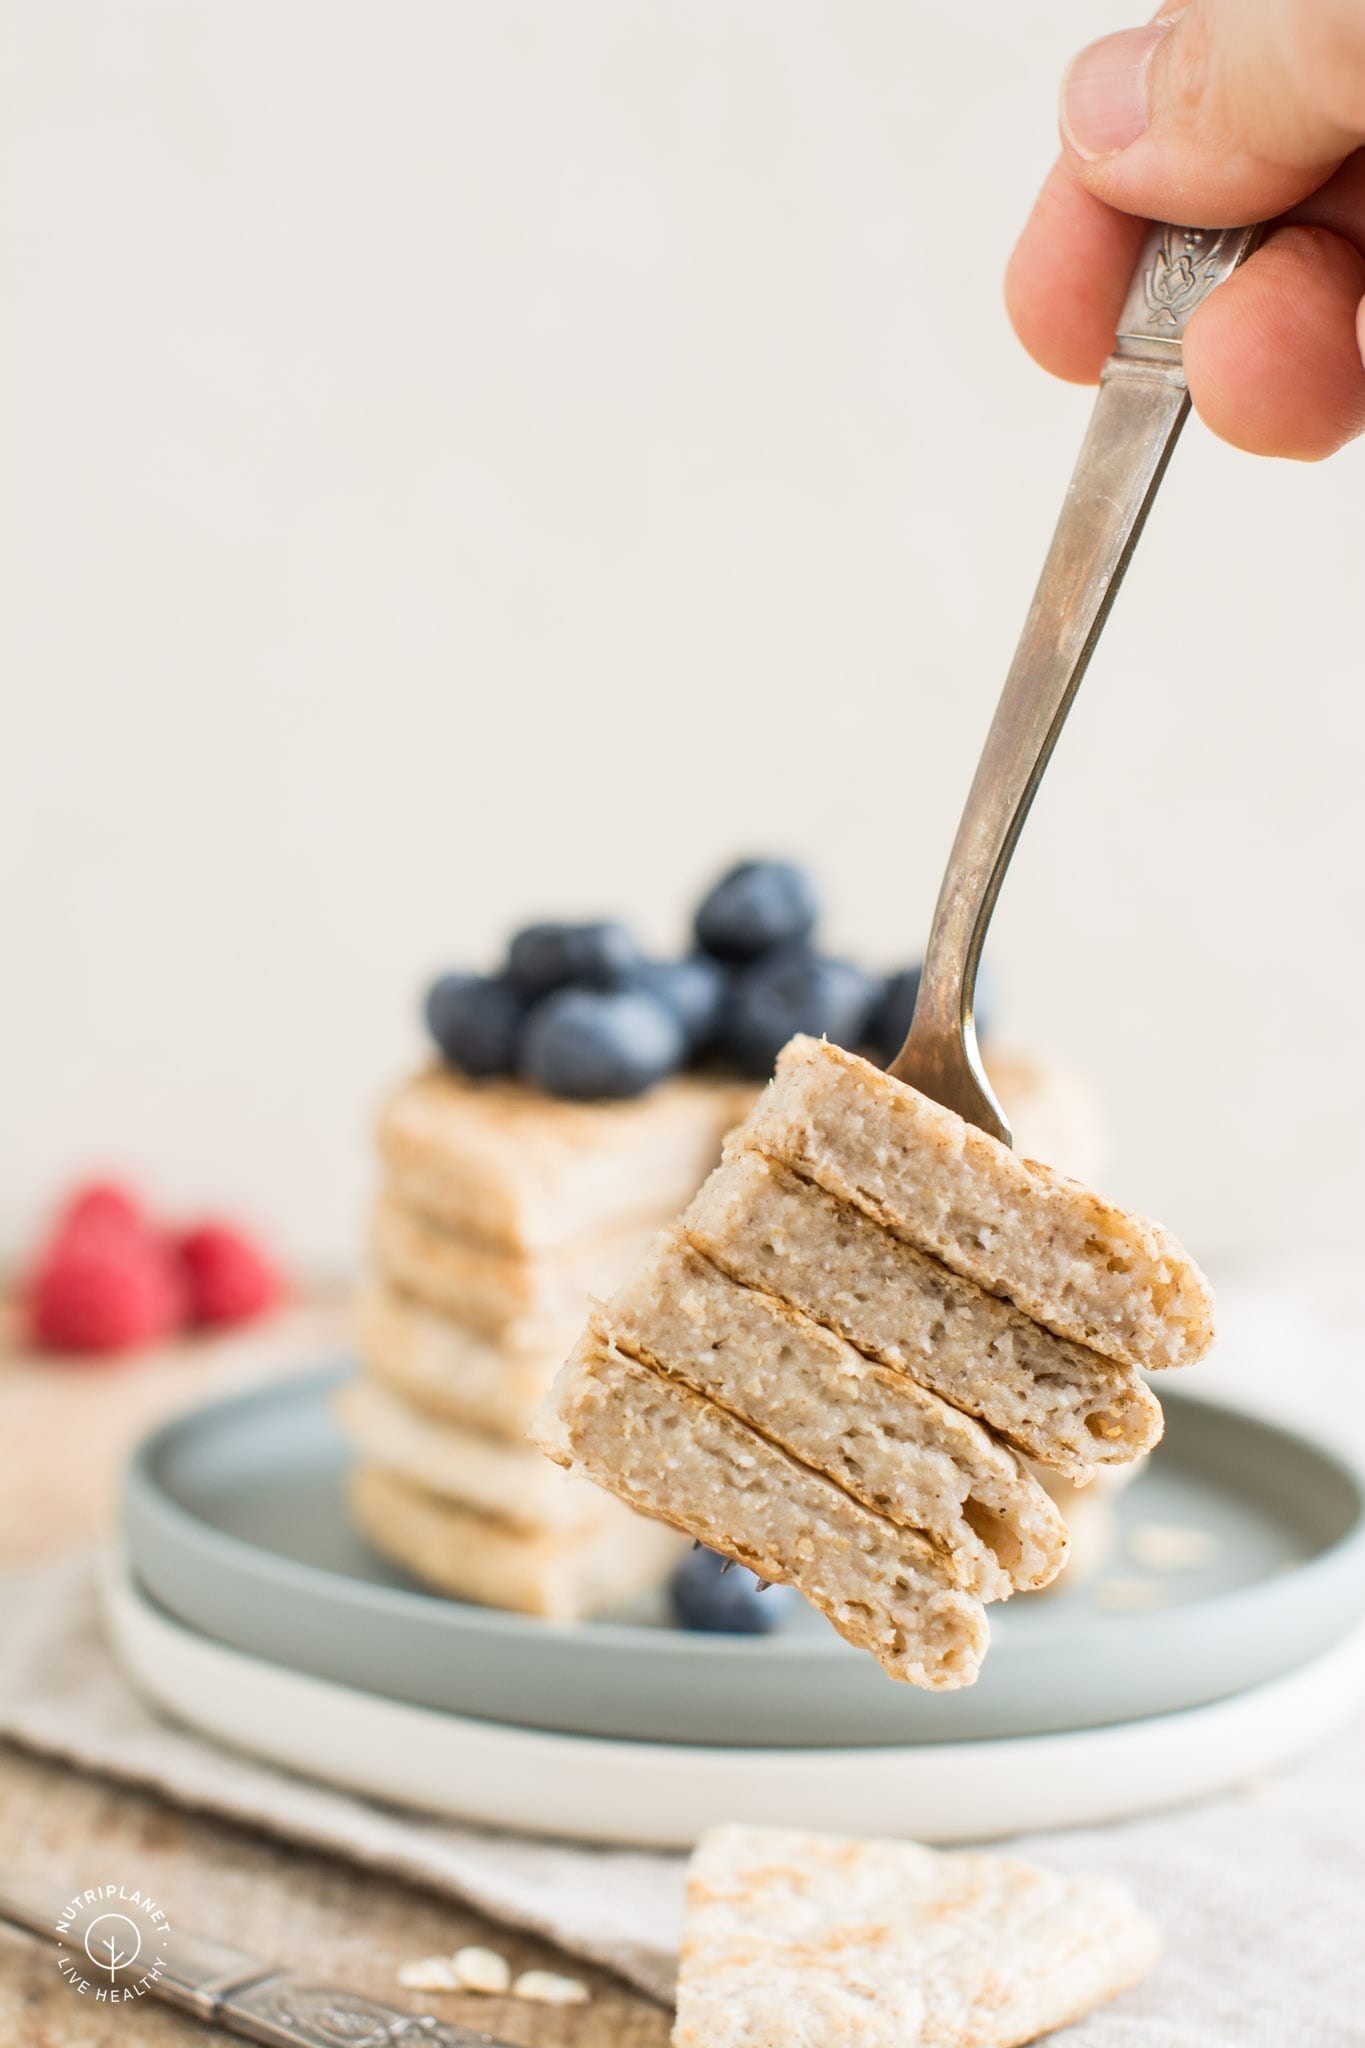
{"points": [[1142, 405]]}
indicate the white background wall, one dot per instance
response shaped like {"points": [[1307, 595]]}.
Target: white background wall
{"points": [[464, 461]]}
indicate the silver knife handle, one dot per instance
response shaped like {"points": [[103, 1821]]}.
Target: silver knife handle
{"points": [[288, 2011], [227, 1987], [1142, 404]]}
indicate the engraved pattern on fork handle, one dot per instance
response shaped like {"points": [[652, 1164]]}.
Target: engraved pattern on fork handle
{"points": [[1142, 404]]}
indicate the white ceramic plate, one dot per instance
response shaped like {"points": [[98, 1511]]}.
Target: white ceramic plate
{"points": [[663, 1795]]}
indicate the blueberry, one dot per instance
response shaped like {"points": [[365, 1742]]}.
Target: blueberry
{"points": [[476, 1021], [694, 990], [705, 1595], [585, 1043], [790, 992], [545, 957], [758, 905], [890, 1019], [891, 1013]]}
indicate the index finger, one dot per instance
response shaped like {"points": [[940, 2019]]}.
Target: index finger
{"points": [[1273, 359], [1066, 279]]}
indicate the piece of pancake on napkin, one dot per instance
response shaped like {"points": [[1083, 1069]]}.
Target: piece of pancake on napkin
{"points": [[795, 1940]]}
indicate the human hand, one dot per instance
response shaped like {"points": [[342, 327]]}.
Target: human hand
{"points": [[1219, 113]]}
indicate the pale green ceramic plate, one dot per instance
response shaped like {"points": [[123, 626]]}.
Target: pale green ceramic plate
{"points": [[234, 1523]]}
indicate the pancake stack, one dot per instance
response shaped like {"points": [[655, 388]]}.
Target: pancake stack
{"points": [[502, 1213], [833, 1364]]}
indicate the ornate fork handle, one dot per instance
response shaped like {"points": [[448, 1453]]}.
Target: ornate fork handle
{"points": [[1142, 404]]}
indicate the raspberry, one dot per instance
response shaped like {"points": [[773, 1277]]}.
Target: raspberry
{"points": [[102, 1288], [100, 1202], [229, 1279]]}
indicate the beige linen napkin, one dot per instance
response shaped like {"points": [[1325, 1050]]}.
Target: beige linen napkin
{"points": [[63, 1693]]}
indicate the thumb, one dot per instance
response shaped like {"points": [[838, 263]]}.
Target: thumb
{"points": [[1220, 112]]}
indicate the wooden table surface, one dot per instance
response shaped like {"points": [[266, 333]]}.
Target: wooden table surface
{"points": [[63, 1432]]}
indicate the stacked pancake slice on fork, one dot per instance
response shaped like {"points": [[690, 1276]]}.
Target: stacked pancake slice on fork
{"points": [[827, 1367]]}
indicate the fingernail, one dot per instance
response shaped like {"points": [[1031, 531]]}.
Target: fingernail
{"points": [[1104, 93]]}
